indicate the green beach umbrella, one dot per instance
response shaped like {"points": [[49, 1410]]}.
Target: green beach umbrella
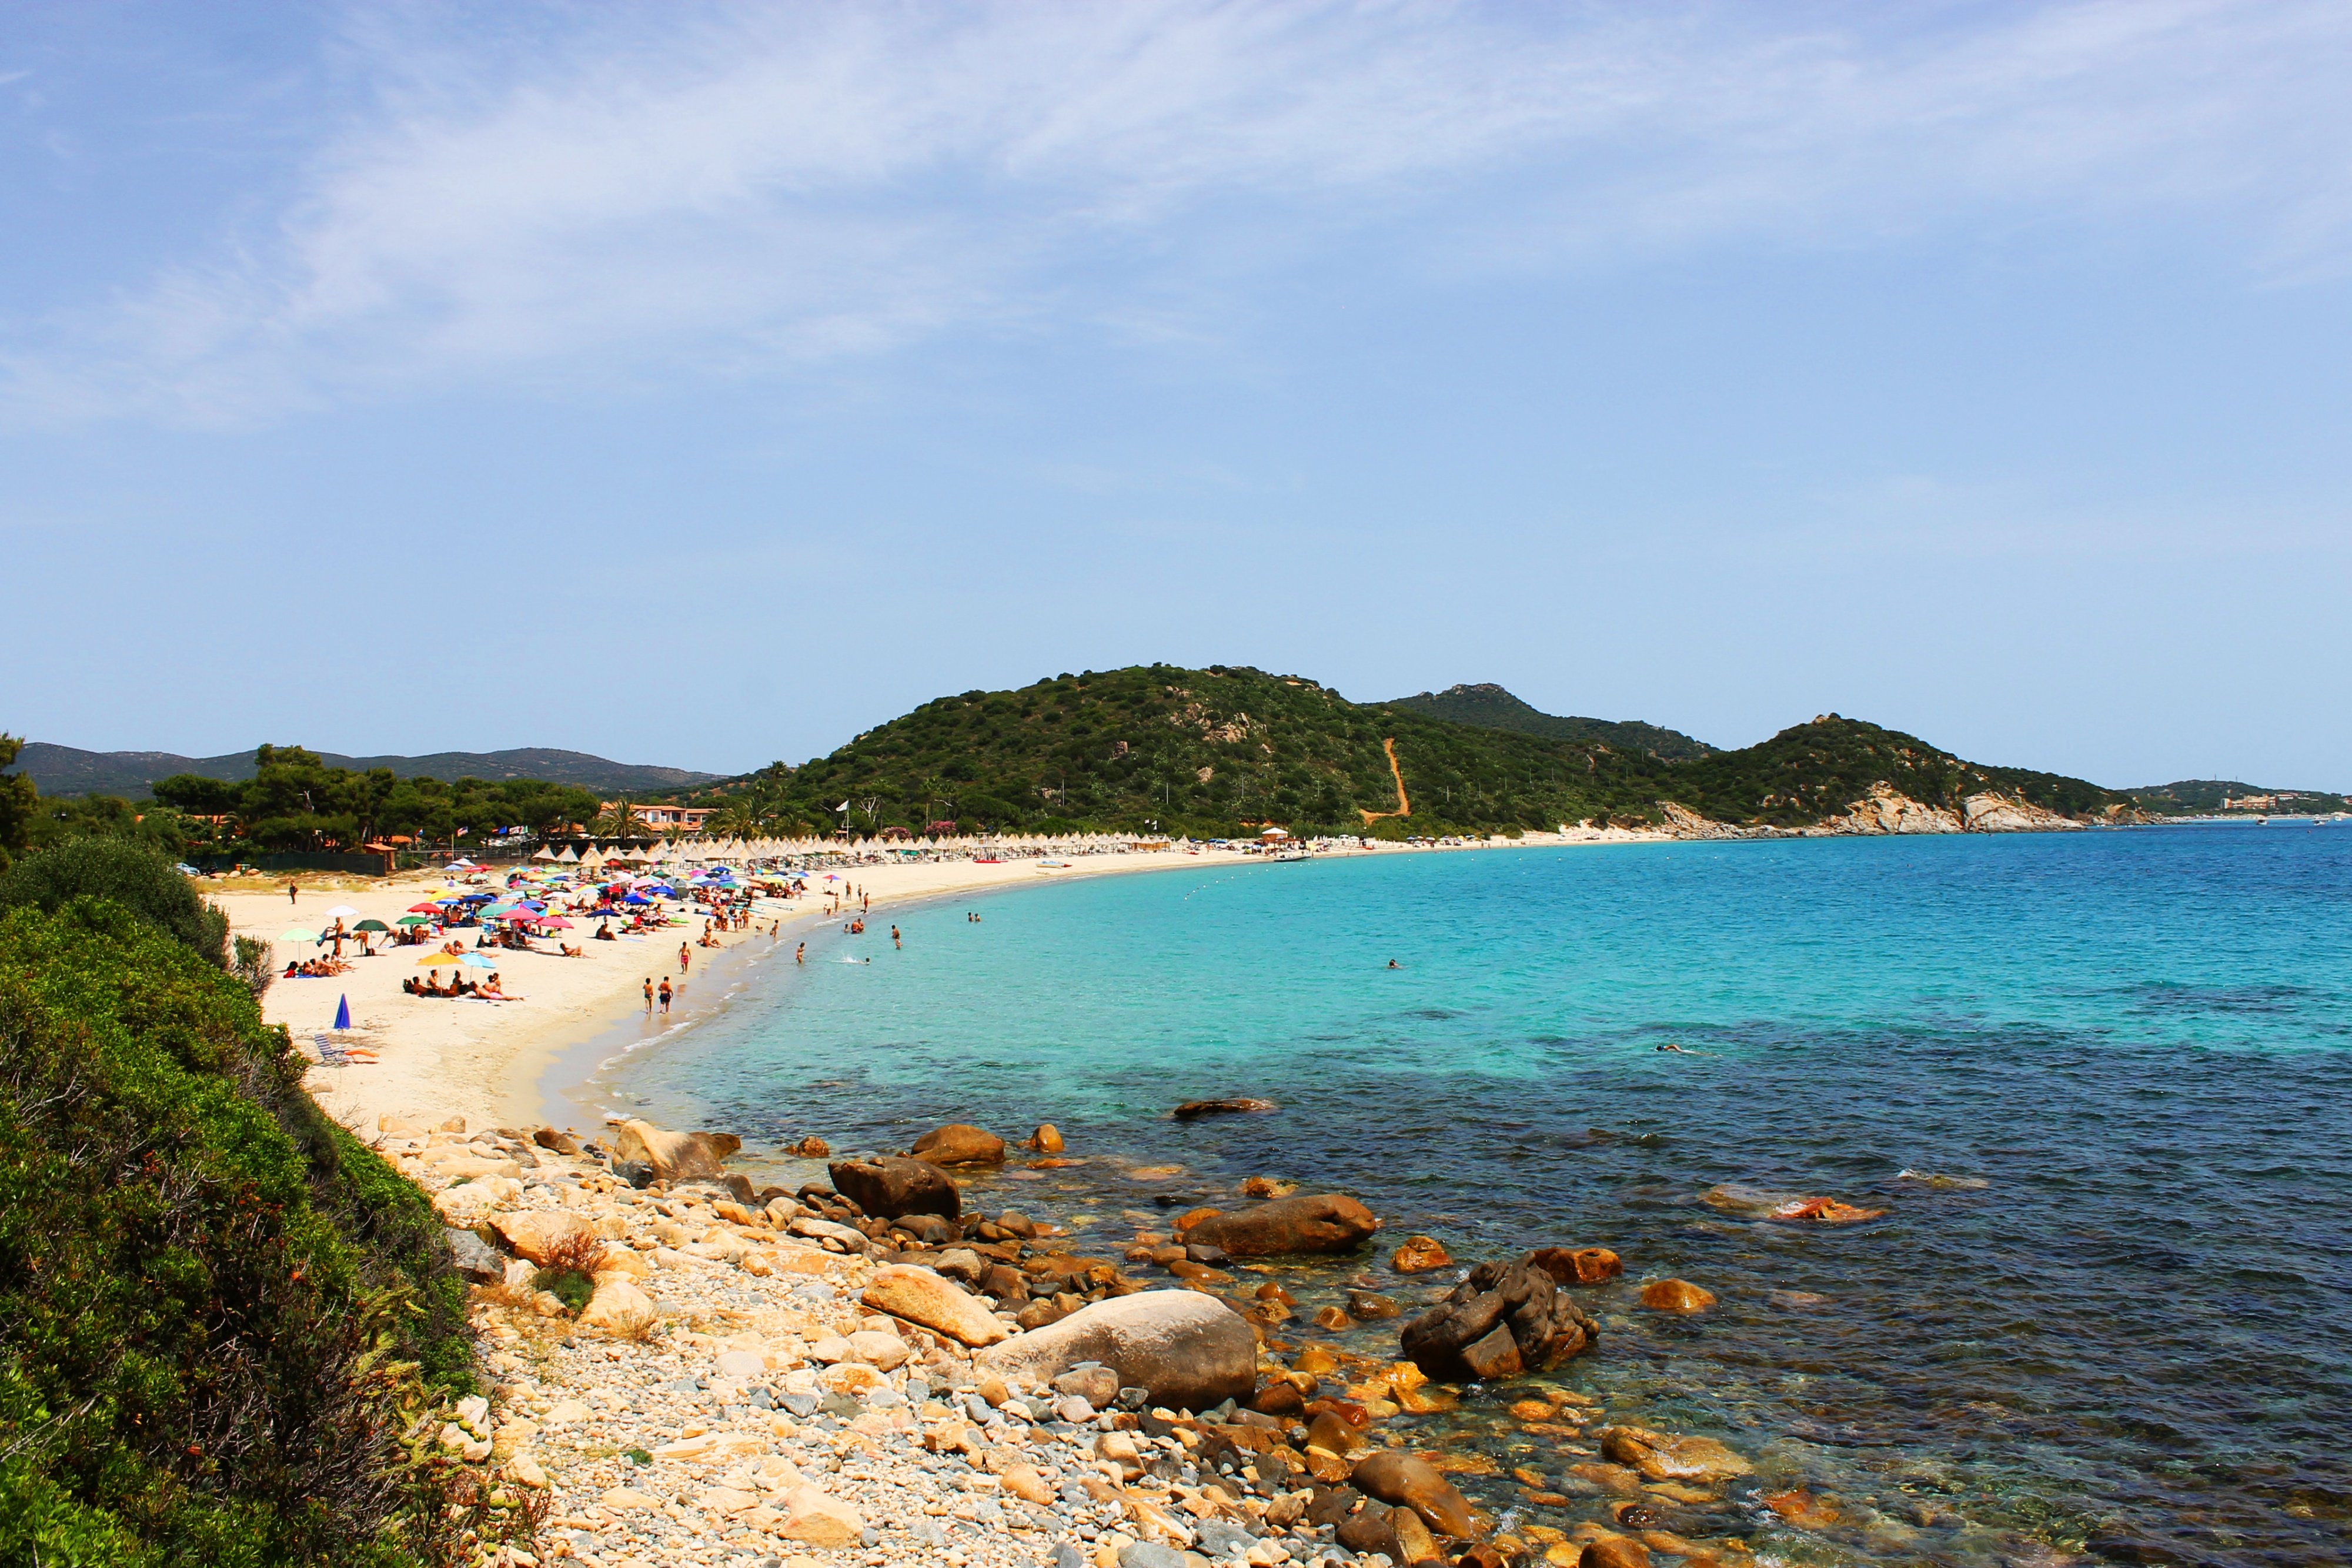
{"points": [[412, 920], [371, 925], [296, 934]]}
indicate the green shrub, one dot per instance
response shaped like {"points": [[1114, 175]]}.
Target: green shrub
{"points": [[139, 877], [569, 1286], [219, 1312]]}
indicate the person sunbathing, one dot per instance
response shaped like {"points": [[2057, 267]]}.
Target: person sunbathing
{"points": [[570, 952], [604, 933], [491, 989]]}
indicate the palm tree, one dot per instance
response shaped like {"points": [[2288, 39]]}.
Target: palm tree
{"points": [[619, 821]]}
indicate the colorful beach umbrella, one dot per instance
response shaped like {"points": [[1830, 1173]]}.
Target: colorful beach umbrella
{"points": [[424, 909], [343, 1015]]}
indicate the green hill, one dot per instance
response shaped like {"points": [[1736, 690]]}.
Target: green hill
{"points": [[2213, 797], [1219, 751], [63, 770], [1489, 706]]}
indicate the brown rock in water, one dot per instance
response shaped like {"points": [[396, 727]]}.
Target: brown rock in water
{"points": [[960, 1143], [1413, 1543], [1273, 1291], [1331, 1222], [1267, 1186], [1397, 1477], [1581, 1266], [1333, 1435], [893, 1186], [1046, 1140], [1369, 1530], [1366, 1307], [1676, 1296], [674, 1156], [1277, 1396], [1614, 1551], [1192, 1108], [812, 1148], [1332, 1318], [1660, 1458], [1504, 1319], [1420, 1255]]}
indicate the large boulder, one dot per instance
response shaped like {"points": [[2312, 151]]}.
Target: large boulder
{"points": [[619, 1308], [960, 1143], [1393, 1476], [1189, 1350], [1328, 1222], [892, 1186], [674, 1156], [920, 1296], [1504, 1319]]}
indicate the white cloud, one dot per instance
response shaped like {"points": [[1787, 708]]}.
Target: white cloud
{"points": [[726, 191]]}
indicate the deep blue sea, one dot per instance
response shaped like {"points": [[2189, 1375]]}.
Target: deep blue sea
{"points": [[2128, 1337]]}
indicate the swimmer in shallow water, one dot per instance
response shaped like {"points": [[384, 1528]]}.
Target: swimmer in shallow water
{"points": [[1394, 965]]}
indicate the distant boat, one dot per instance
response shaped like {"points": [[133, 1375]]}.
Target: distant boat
{"points": [[1291, 855]]}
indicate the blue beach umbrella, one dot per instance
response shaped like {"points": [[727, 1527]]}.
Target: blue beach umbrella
{"points": [[343, 1015]]}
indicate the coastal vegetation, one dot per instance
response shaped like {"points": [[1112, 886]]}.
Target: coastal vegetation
{"points": [[1228, 750], [220, 1314], [1489, 706]]}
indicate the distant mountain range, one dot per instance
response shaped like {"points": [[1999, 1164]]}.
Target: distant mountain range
{"points": [[1489, 706], [68, 770]]}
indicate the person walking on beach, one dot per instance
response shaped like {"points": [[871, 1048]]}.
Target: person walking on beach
{"points": [[685, 957], [290, 892], [665, 994], [649, 993]]}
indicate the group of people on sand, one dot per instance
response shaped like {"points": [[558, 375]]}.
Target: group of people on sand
{"points": [[315, 968], [489, 990]]}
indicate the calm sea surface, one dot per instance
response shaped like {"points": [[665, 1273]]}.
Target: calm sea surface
{"points": [[2126, 1338]]}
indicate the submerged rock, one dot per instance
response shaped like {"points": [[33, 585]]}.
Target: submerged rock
{"points": [[1504, 1319], [1676, 1296], [1660, 1458], [1236, 1107], [1578, 1266], [1331, 1222]]}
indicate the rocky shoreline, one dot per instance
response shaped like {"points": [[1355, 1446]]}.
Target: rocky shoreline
{"points": [[687, 1369]]}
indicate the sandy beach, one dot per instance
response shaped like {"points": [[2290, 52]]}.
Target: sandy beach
{"points": [[485, 1061]]}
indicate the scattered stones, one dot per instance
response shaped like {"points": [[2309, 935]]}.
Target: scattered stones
{"points": [[1504, 1319], [922, 1296], [893, 1186], [1192, 1109], [960, 1143], [1189, 1350], [1420, 1255], [1676, 1296], [674, 1156], [1331, 1222]]}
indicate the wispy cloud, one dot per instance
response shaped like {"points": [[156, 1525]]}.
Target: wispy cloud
{"points": [[723, 192]]}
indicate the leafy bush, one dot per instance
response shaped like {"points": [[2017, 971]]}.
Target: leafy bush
{"points": [[219, 1312], [571, 1272], [139, 877]]}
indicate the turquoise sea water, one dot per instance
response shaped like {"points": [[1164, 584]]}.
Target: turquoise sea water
{"points": [[2129, 1344]]}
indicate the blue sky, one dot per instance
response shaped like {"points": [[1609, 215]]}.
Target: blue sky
{"points": [[702, 385]]}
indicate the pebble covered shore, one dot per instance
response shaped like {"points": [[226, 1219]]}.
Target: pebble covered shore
{"points": [[750, 1385]]}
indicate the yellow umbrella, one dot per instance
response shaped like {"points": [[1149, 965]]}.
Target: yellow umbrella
{"points": [[436, 956]]}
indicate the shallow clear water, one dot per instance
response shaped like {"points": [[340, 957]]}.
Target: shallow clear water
{"points": [[2130, 1342]]}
